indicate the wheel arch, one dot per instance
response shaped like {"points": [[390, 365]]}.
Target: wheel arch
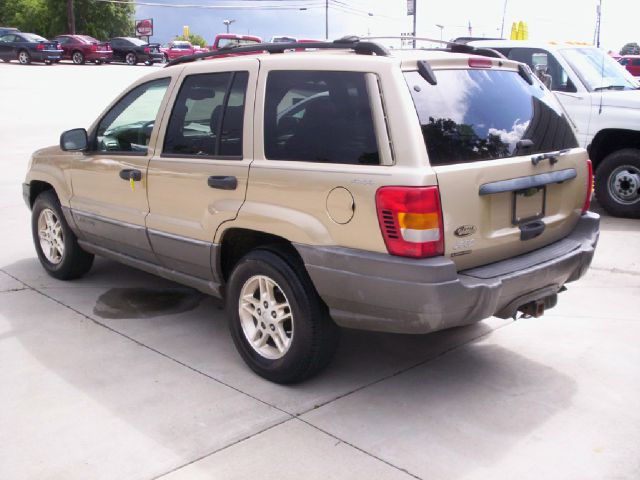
{"points": [[235, 243], [37, 187], [611, 140]]}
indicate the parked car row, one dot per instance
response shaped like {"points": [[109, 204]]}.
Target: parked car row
{"points": [[29, 47], [80, 49]]}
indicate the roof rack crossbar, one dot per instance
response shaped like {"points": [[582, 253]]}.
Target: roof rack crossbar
{"points": [[455, 46], [348, 43]]}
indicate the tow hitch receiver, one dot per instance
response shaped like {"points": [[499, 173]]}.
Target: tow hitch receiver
{"points": [[533, 309]]}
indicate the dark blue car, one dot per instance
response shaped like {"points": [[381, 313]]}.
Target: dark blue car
{"points": [[28, 47]]}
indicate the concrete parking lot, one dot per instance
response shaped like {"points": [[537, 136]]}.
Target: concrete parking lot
{"points": [[122, 375]]}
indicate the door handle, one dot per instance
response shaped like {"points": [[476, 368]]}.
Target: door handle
{"points": [[223, 182], [129, 174]]}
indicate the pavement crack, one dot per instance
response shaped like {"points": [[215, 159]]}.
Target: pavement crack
{"points": [[217, 450], [616, 270]]}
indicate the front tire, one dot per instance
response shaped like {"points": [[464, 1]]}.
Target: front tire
{"points": [[56, 244], [77, 58], [131, 58], [277, 321], [23, 57], [618, 183]]}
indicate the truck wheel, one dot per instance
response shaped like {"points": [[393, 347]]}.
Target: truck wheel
{"points": [[618, 183], [56, 245], [78, 58], [278, 323]]}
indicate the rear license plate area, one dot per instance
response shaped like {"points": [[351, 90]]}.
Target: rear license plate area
{"points": [[529, 205]]}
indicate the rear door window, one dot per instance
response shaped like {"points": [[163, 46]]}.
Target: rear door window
{"points": [[208, 115], [474, 115], [319, 116]]}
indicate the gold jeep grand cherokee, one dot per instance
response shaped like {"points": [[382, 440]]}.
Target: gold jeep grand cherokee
{"points": [[343, 186]]}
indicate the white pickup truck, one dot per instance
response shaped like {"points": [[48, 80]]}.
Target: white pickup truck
{"points": [[603, 101]]}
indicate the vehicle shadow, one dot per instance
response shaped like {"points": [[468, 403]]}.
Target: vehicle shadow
{"points": [[386, 383]]}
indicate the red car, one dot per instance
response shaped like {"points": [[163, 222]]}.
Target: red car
{"points": [[82, 48], [631, 63], [179, 48]]}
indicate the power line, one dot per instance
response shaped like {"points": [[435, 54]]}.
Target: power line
{"points": [[305, 5]]}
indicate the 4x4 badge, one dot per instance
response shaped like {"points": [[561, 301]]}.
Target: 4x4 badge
{"points": [[465, 230]]}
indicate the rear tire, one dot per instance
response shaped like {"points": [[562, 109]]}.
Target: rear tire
{"points": [[131, 58], [617, 183], [278, 323], [56, 244], [23, 57], [77, 57]]}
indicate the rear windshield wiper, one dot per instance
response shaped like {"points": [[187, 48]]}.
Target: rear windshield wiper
{"points": [[552, 156]]}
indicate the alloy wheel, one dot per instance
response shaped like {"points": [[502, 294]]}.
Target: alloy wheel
{"points": [[51, 236], [266, 317]]}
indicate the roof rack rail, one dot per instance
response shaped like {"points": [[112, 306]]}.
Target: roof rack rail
{"points": [[344, 43], [455, 47]]}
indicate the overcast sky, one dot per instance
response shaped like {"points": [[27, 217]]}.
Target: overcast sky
{"points": [[547, 19]]}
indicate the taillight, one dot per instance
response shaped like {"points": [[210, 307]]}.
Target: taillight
{"points": [[40, 46], [147, 50], [411, 221], [94, 47], [480, 63], [108, 46], [587, 199]]}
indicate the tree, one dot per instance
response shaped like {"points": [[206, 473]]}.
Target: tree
{"points": [[631, 48], [50, 17], [194, 39]]}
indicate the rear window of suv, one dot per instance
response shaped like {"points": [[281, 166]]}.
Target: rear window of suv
{"points": [[475, 115]]}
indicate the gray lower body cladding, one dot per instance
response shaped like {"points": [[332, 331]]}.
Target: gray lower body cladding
{"points": [[374, 291]]}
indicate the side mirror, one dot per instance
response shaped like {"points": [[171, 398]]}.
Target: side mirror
{"points": [[75, 140]]}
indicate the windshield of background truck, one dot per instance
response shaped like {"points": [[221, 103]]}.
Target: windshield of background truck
{"points": [[223, 42], [474, 115], [598, 71]]}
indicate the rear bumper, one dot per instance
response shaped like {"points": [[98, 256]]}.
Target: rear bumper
{"points": [[105, 56], [42, 55], [153, 57], [374, 291]]}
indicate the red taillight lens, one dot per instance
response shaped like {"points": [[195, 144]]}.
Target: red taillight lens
{"points": [[147, 50], [40, 46], [411, 221], [94, 47], [587, 200], [480, 63]]}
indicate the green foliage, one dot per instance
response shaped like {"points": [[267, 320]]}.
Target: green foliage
{"points": [[194, 39], [631, 48], [49, 17]]}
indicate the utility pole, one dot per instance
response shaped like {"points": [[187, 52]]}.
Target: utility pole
{"points": [[71, 18], [326, 19], [504, 13], [414, 22], [598, 23]]}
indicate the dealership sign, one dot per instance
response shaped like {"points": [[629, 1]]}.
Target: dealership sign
{"points": [[144, 28]]}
